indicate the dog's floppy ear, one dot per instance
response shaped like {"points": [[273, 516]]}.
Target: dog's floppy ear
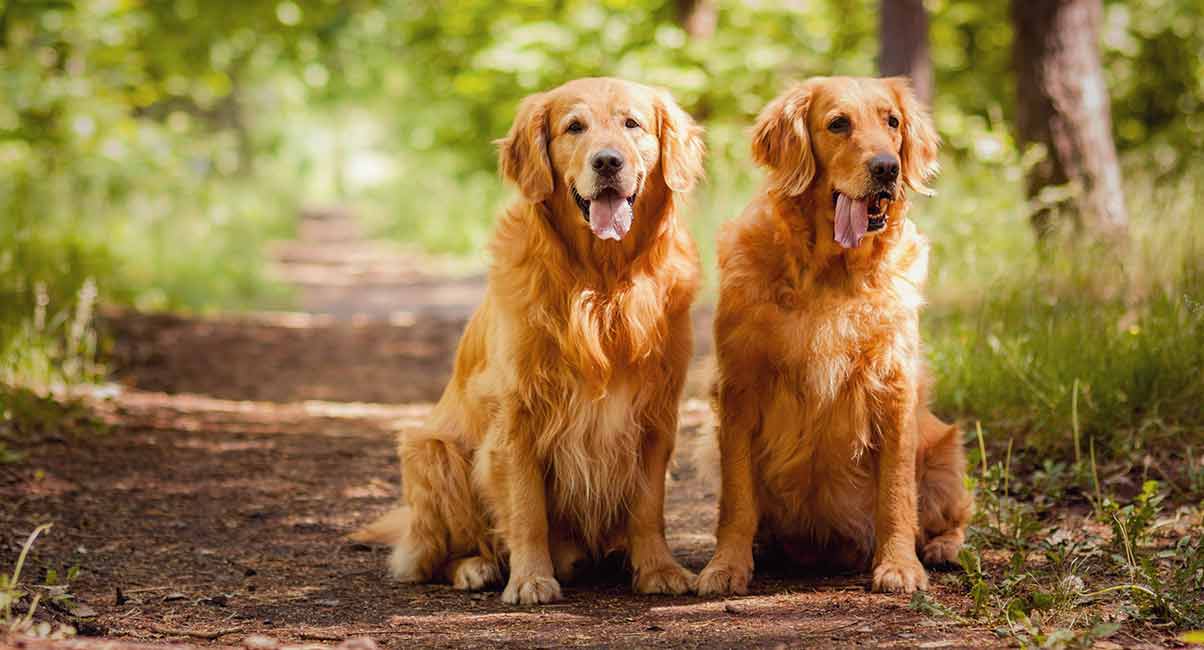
{"points": [[920, 139], [524, 151], [682, 148], [782, 143]]}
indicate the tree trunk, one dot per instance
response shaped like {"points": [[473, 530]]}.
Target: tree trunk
{"points": [[903, 44], [698, 17], [1063, 105]]}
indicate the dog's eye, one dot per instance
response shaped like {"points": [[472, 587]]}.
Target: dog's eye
{"points": [[839, 125], [576, 127], [631, 124], [893, 122]]}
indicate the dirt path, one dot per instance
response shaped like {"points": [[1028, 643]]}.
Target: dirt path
{"points": [[241, 451]]}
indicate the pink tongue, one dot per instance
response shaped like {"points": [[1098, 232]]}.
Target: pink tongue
{"points": [[609, 215], [852, 220]]}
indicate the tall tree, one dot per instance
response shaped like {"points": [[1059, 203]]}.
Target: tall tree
{"points": [[903, 44], [1063, 104], [698, 17]]}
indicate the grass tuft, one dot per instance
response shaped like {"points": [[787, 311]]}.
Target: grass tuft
{"points": [[19, 602]]}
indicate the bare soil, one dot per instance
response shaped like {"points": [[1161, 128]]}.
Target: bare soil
{"points": [[240, 451]]}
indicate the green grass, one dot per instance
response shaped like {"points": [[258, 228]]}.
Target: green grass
{"points": [[1020, 339], [19, 601]]}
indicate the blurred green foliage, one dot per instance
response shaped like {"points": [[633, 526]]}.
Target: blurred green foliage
{"points": [[455, 73], [124, 177], [444, 81]]}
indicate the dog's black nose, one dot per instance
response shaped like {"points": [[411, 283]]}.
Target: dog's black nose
{"points": [[884, 167], [606, 162]]}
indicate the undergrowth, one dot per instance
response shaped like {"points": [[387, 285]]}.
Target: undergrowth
{"points": [[26, 414], [20, 601], [1056, 557]]}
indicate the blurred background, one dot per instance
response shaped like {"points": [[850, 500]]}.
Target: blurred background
{"points": [[151, 149]]}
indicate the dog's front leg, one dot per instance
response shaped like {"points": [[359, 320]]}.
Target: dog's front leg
{"points": [[653, 567], [531, 575], [896, 518], [730, 570]]}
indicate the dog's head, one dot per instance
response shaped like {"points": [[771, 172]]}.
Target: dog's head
{"points": [[596, 147], [854, 142]]}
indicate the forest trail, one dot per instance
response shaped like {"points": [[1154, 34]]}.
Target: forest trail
{"points": [[239, 451]]}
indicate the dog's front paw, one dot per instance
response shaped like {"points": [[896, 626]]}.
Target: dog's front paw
{"points": [[723, 579], [531, 590], [900, 576], [669, 579]]}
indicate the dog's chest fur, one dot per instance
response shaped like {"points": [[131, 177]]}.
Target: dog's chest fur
{"points": [[593, 461], [592, 440], [839, 352]]}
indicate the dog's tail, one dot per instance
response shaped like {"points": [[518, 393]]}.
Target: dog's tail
{"points": [[389, 529]]}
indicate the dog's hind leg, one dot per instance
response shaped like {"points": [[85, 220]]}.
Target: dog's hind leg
{"points": [[440, 518], [473, 573], [945, 504], [568, 555], [413, 558]]}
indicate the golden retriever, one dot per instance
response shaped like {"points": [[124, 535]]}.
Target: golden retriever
{"points": [[550, 444], [827, 448]]}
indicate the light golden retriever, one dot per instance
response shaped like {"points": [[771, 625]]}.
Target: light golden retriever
{"points": [[550, 444], [827, 448]]}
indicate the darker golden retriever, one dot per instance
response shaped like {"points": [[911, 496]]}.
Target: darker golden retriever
{"points": [[550, 444], [827, 448]]}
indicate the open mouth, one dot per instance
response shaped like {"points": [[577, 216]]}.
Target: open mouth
{"points": [[608, 213], [583, 203], [876, 207], [855, 217]]}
